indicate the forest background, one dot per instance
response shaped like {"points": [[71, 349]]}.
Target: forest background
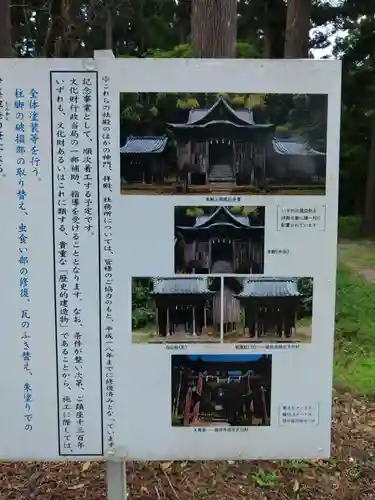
{"points": [[256, 28]]}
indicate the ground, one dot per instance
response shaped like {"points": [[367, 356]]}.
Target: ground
{"points": [[348, 475], [219, 189], [147, 335], [303, 335]]}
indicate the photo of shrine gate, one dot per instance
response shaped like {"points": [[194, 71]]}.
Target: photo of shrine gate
{"points": [[223, 144], [267, 309], [179, 309], [219, 240], [220, 390]]}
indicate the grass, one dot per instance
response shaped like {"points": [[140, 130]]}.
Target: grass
{"points": [[354, 362]]}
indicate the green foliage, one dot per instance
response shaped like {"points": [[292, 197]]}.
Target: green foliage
{"points": [[143, 309], [354, 362], [357, 51], [244, 50], [194, 211], [179, 51], [305, 288], [263, 479]]}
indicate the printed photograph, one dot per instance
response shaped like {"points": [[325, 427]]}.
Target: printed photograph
{"points": [[176, 310], [209, 144], [221, 390], [219, 240], [263, 309]]}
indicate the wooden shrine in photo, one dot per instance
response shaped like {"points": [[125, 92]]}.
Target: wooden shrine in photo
{"points": [[268, 307], [187, 305], [214, 393], [219, 243], [224, 145], [143, 159]]}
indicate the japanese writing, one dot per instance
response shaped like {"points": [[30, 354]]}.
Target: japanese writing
{"points": [[301, 218], [75, 162], [176, 347], [299, 414], [34, 130], [106, 178], [267, 346], [230, 199], [20, 109], [278, 251], [63, 253], [221, 429]]}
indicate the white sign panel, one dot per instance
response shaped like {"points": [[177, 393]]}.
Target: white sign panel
{"points": [[164, 295]]}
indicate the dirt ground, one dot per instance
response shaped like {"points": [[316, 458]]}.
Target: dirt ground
{"points": [[348, 475]]}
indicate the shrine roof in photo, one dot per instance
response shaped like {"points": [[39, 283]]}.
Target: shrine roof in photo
{"points": [[294, 147], [222, 216], [269, 287], [219, 113], [181, 286], [144, 144]]}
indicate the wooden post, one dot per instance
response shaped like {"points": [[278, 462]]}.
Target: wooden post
{"points": [[209, 254], [168, 325], [187, 407], [206, 160], [194, 252], [194, 326], [157, 322], [266, 421], [178, 395], [199, 392], [234, 255]]}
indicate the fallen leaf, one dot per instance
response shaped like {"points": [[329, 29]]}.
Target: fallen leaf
{"points": [[86, 466], [295, 486], [76, 487], [166, 465]]}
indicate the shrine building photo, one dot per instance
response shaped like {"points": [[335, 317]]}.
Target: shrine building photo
{"points": [[221, 390], [186, 309], [219, 240], [267, 309], [223, 144]]}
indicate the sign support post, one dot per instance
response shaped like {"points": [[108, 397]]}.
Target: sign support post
{"points": [[116, 478], [115, 466]]}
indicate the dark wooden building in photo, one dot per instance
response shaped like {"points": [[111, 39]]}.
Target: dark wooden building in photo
{"points": [[222, 145], [293, 161], [143, 159], [220, 243], [269, 307], [221, 394], [187, 305]]}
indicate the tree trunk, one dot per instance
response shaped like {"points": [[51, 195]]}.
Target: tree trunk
{"points": [[214, 28], [368, 222], [6, 49], [109, 25], [297, 29], [274, 29]]}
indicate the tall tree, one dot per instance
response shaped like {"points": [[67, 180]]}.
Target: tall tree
{"points": [[368, 221], [214, 28], [6, 49], [297, 29]]}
